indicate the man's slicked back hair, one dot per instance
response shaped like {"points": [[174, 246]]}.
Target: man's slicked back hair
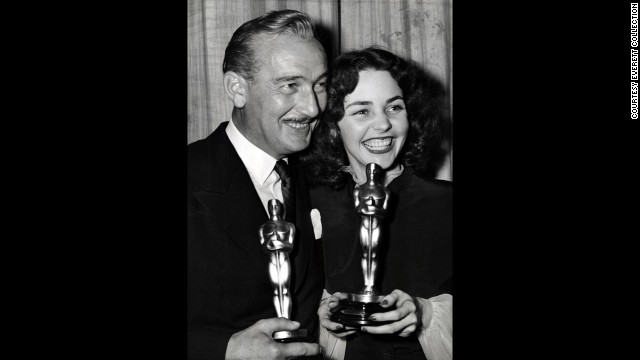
{"points": [[240, 56]]}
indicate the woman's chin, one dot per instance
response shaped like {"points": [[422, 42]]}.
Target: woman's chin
{"points": [[385, 161]]}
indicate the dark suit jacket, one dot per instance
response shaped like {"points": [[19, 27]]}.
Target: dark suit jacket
{"points": [[228, 282]]}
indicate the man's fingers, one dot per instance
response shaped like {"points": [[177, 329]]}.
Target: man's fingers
{"points": [[269, 326], [300, 349]]}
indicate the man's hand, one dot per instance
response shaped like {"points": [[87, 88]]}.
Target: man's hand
{"points": [[256, 342]]}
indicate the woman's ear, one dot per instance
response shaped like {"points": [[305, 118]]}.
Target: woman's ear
{"points": [[236, 87]]}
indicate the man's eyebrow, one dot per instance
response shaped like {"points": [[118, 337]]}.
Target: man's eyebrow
{"points": [[289, 78], [296, 77]]}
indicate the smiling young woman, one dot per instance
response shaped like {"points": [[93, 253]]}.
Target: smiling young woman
{"points": [[375, 124], [382, 110]]}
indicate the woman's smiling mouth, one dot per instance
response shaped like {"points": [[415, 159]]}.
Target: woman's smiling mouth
{"points": [[378, 145]]}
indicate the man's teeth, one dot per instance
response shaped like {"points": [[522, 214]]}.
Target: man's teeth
{"points": [[377, 144], [297, 125]]}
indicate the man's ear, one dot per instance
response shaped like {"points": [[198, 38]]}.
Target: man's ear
{"points": [[236, 87]]}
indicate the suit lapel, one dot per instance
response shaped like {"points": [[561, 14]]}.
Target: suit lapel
{"points": [[237, 208], [232, 199]]}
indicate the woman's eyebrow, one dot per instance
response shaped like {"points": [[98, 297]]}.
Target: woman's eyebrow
{"points": [[359, 103], [394, 99], [370, 103]]}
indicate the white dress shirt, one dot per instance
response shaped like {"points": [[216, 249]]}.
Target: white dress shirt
{"points": [[259, 164]]}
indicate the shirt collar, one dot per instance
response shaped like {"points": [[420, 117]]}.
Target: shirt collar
{"points": [[389, 175], [259, 164]]}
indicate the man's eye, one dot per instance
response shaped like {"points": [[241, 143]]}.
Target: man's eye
{"points": [[320, 87], [289, 88]]}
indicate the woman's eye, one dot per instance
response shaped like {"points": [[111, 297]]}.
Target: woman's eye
{"points": [[320, 87], [361, 112], [395, 108]]}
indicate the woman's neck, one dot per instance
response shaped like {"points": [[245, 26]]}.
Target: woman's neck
{"points": [[360, 177]]}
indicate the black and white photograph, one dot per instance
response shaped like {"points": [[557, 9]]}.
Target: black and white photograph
{"points": [[322, 220], [320, 179]]}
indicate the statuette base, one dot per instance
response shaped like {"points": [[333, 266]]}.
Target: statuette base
{"points": [[287, 336], [356, 313]]}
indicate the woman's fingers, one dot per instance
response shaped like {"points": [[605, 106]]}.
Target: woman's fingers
{"points": [[337, 329], [334, 300], [391, 299], [324, 314], [403, 328], [403, 318], [407, 308]]}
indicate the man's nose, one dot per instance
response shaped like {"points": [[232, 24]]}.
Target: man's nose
{"points": [[308, 104]]}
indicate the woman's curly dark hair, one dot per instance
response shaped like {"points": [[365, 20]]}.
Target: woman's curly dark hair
{"points": [[424, 100]]}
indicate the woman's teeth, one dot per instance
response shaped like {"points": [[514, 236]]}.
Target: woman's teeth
{"points": [[377, 144]]}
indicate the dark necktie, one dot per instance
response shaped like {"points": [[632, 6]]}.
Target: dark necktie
{"points": [[287, 190]]}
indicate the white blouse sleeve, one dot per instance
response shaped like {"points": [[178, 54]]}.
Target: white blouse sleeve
{"points": [[436, 334], [334, 347]]}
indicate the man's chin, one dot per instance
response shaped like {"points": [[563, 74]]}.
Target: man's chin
{"points": [[295, 147]]}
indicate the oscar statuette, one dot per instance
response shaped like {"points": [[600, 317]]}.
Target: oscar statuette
{"points": [[276, 238], [371, 200]]}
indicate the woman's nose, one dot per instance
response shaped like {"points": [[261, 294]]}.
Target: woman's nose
{"points": [[381, 123]]}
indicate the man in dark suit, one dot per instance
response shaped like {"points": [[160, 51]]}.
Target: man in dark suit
{"points": [[274, 73]]}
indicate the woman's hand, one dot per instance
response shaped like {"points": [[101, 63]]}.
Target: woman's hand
{"points": [[405, 317], [324, 312]]}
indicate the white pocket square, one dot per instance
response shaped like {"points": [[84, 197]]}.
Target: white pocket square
{"points": [[317, 223]]}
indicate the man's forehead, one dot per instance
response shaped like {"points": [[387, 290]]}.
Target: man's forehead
{"points": [[288, 56]]}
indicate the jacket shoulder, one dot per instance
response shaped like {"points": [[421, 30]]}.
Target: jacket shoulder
{"points": [[202, 157]]}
